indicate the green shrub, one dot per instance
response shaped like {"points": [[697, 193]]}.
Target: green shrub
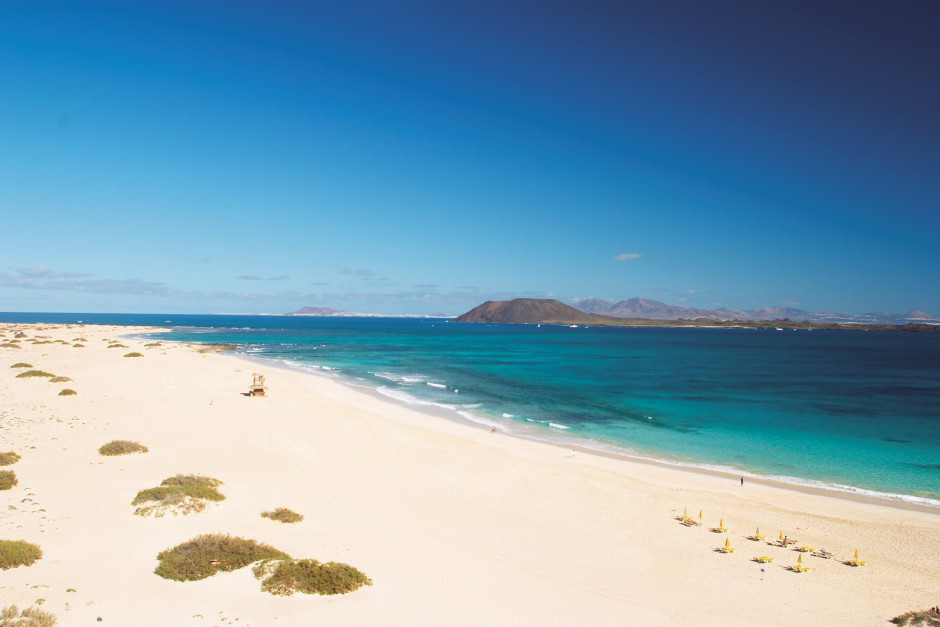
{"points": [[15, 553], [34, 373], [174, 490], [30, 617], [78, 346], [284, 515], [133, 355], [7, 479], [9, 345], [153, 344], [8, 458], [79, 339], [206, 555], [59, 380], [67, 392], [122, 447], [21, 364], [285, 577], [116, 346], [917, 618]]}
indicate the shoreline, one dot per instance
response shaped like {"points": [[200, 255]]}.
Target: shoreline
{"points": [[453, 524], [874, 497]]}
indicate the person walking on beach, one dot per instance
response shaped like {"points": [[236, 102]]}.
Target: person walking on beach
{"points": [[742, 480]]}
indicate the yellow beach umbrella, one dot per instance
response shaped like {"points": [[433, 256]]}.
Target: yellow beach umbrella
{"points": [[721, 523], [727, 542], [685, 512], [799, 560], [856, 554], [699, 513], [781, 535], [758, 532]]}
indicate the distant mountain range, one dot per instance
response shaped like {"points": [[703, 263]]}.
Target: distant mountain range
{"points": [[318, 311], [655, 310], [646, 313]]}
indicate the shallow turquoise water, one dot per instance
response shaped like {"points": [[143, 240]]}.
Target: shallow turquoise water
{"points": [[855, 410]]}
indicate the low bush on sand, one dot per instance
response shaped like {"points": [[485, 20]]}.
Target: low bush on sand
{"points": [[34, 373], [67, 392], [59, 380], [7, 479], [15, 553], [78, 346], [917, 618], [21, 364], [122, 447], [284, 577], [8, 458], [30, 617], [284, 515], [116, 346], [182, 494], [153, 345], [79, 339], [206, 555], [9, 345], [133, 355]]}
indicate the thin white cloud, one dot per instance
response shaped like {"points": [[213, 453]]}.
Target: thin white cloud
{"points": [[254, 277], [627, 256]]}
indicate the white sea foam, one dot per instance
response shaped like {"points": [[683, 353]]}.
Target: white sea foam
{"points": [[401, 378], [508, 416], [437, 385], [555, 425]]}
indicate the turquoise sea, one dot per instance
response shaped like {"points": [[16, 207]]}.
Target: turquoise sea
{"points": [[854, 411]]}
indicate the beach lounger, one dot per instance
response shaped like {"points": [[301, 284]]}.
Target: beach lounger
{"points": [[727, 548], [856, 561], [763, 559], [806, 549]]}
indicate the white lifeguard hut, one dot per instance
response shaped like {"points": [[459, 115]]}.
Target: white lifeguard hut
{"points": [[257, 385]]}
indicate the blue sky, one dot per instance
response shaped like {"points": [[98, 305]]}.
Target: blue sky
{"points": [[422, 157]]}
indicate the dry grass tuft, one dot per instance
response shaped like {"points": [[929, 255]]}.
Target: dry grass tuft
{"points": [[15, 553], [21, 364], [59, 380], [30, 617], [78, 346], [10, 345], [122, 447], [7, 479], [925, 618], [206, 555], [284, 577], [67, 392], [182, 494], [9, 458], [284, 515], [34, 373], [116, 346], [133, 355]]}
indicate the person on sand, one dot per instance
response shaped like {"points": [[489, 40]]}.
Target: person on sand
{"points": [[742, 480]]}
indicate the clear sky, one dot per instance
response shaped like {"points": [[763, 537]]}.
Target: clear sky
{"points": [[422, 157]]}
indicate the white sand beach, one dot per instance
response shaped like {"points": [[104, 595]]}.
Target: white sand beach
{"points": [[455, 525]]}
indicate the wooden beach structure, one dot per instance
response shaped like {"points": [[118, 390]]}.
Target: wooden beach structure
{"points": [[257, 385]]}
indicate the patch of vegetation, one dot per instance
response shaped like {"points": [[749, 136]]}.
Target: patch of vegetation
{"points": [[9, 458], [10, 345], [206, 555], [7, 479], [153, 344], [284, 577], [15, 553], [122, 447], [79, 339], [133, 355], [59, 380], [30, 617], [67, 392], [21, 364], [34, 373], [186, 493], [116, 346], [78, 346], [284, 515], [927, 619]]}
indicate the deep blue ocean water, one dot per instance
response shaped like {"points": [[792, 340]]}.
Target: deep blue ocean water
{"points": [[850, 410]]}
